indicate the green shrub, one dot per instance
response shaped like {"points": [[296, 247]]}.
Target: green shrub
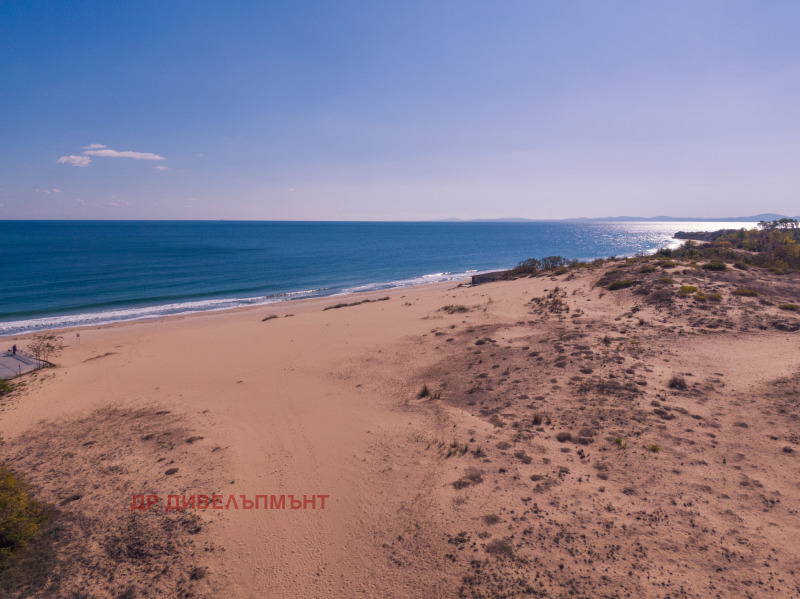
{"points": [[715, 265], [687, 289], [532, 266], [666, 280], [779, 268], [21, 516], [792, 307], [668, 264], [621, 284], [715, 297], [745, 292], [648, 268], [654, 448], [700, 296], [5, 387]]}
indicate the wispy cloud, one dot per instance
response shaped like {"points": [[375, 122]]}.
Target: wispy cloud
{"points": [[103, 151], [54, 190], [75, 160], [161, 168], [109, 153], [116, 204]]}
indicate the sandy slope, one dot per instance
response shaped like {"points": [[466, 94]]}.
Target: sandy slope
{"points": [[325, 402]]}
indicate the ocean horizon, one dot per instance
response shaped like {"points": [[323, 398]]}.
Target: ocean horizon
{"points": [[61, 274]]}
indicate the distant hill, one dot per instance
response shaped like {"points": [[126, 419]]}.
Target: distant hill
{"points": [[677, 219]]}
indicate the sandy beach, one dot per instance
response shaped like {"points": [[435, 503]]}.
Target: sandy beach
{"points": [[569, 441]]}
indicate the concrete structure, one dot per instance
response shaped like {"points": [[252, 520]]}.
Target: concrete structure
{"points": [[488, 277], [13, 364]]}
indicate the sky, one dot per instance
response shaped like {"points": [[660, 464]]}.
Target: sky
{"points": [[364, 110]]}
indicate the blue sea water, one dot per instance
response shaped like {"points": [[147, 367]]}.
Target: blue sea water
{"points": [[57, 274]]}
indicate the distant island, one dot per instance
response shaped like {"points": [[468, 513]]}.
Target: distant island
{"points": [[729, 219]]}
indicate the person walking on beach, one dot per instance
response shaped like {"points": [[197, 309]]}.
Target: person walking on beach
{"points": [[14, 350]]}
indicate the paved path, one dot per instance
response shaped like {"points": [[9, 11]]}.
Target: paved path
{"points": [[12, 365]]}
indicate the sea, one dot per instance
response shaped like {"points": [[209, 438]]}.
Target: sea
{"points": [[58, 274]]}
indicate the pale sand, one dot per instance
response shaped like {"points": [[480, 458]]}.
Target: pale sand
{"points": [[324, 402]]}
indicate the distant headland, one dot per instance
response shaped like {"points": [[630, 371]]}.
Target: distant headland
{"points": [[728, 219]]}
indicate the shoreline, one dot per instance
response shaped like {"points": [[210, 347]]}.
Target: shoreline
{"points": [[380, 287], [227, 310], [246, 305]]}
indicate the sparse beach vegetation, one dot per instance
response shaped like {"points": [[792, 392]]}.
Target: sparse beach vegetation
{"points": [[346, 305]]}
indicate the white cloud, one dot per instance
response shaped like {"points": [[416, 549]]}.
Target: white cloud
{"points": [[75, 160], [116, 204], [54, 190], [94, 147], [161, 168], [108, 153]]}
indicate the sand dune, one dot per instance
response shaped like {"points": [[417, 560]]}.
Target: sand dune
{"points": [[551, 456]]}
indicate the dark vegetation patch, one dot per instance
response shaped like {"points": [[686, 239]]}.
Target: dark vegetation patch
{"points": [[678, 383], [366, 301], [454, 309], [108, 353], [621, 284], [533, 266]]}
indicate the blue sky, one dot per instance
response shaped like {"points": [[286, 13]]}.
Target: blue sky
{"points": [[398, 111]]}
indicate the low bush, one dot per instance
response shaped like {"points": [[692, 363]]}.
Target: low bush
{"points": [[453, 309], [659, 296], [621, 284], [677, 382], [715, 265], [792, 307], [21, 516], [745, 292]]}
